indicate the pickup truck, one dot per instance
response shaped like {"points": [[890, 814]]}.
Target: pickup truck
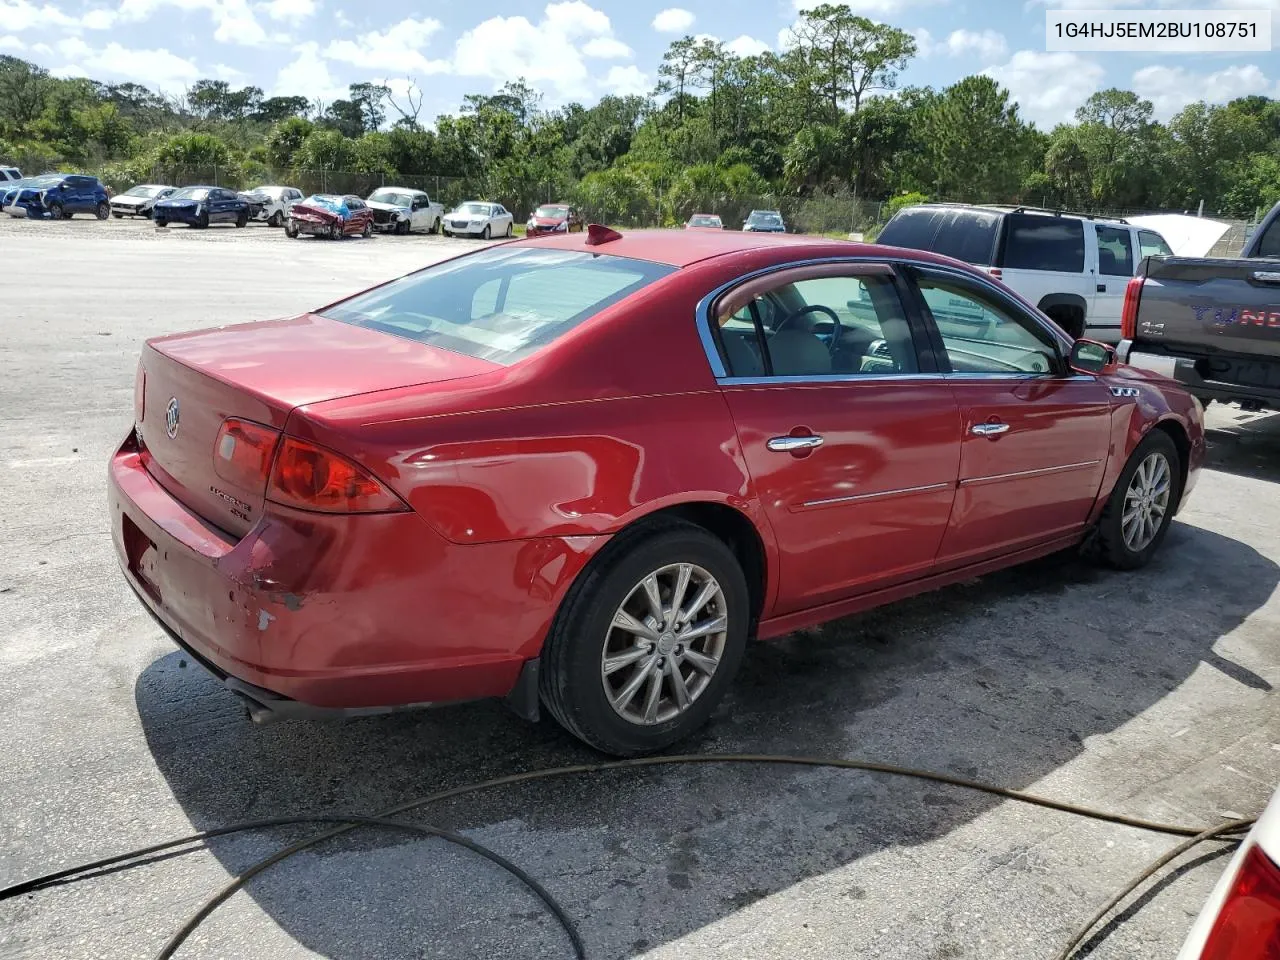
{"points": [[1211, 324]]}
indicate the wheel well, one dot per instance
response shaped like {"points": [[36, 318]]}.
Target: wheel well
{"points": [[738, 532], [1180, 440]]}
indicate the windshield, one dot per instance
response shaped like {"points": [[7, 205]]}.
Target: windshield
{"points": [[475, 209], [552, 212], [705, 222], [500, 304], [765, 219], [391, 197], [190, 193], [41, 182], [143, 191]]}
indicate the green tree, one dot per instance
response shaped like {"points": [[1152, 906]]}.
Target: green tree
{"points": [[285, 139]]}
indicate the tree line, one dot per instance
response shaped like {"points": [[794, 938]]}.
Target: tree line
{"points": [[824, 117]]}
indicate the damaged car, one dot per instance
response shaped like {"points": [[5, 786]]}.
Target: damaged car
{"points": [[403, 210], [57, 196], [271, 203], [140, 200], [329, 215], [201, 206]]}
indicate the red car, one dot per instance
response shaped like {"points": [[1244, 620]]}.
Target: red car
{"points": [[554, 218], [583, 471], [329, 215]]}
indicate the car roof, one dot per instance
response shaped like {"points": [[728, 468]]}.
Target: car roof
{"points": [[1000, 208], [680, 248], [398, 189]]}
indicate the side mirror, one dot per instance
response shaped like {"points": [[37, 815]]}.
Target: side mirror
{"points": [[1093, 358]]}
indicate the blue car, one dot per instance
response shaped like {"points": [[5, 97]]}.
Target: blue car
{"points": [[201, 206], [55, 196]]}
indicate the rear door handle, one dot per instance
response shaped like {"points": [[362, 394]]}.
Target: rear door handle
{"points": [[792, 444], [989, 429]]}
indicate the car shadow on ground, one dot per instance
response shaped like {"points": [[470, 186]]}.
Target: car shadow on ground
{"points": [[1002, 679], [1247, 444]]}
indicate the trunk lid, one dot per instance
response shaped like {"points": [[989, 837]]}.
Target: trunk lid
{"points": [[262, 372]]}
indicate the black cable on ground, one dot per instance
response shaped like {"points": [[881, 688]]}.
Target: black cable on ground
{"points": [[72, 874], [1213, 833]]}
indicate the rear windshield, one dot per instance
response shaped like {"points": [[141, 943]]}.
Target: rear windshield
{"points": [[1044, 243], [500, 304]]}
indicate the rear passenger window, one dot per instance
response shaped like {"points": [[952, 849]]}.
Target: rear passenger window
{"points": [[911, 228], [818, 327], [1115, 255], [1044, 243], [1153, 245], [967, 236]]}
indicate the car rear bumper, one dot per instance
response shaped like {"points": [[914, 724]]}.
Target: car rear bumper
{"points": [[348, 614], [1186, 371]]}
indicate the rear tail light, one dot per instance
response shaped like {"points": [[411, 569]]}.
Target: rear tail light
{"points": [[1248, 925], [139, 393], [242, 453], [1129, 314], [312, 478]]}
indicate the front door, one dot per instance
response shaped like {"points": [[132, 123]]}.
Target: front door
{"points": [[853, 449], [1035, 436]]}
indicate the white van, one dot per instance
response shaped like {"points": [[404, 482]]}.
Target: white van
{"points": [[1073, 266]]}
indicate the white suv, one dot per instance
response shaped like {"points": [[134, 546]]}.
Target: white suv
{"points": [[10, 173], [1073, 266]]}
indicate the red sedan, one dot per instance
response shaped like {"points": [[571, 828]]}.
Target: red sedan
{"points": [[583, 471], [331, 216], [554, 218]]}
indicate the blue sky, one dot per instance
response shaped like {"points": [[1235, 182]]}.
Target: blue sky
{"points": [[578, 49]]}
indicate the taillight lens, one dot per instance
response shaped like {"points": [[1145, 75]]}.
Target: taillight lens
{"points": [[310, 477], [1248, 925], [1129, 313], [242, 453], [139, 393]]}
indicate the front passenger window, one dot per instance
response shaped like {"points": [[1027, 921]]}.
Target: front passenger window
{"points": [[980, 335]]}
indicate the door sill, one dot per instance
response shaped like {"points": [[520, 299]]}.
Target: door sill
{"points": [[791, 622]]}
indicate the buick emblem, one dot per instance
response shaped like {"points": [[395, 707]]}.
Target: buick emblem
{"points": [[171, 418]]}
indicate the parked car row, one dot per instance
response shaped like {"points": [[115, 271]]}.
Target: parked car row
{"points": [[758, 221]]}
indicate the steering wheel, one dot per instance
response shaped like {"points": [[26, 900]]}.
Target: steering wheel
{"points": [[836, 333]]}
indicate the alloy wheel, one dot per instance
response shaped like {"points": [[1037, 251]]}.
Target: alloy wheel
{"points": [[1146, 501], [664, 644]]}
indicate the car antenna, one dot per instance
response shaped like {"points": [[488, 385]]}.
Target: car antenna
{"points": [[596, 235]]}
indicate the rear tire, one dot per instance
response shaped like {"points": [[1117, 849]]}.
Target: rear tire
{"points": [[367, 232], [435, 226], [510, 231], [574, 685], [1141, 506]]}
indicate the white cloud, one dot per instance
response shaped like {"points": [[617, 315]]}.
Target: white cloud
{"points": [[398, 49], [606, 48], [230, 74], [875, 8], [988, 44], [1171, 88], [19, 15], [307, 75], [1048, 86], [12, 43], [745, 46], [926, 46], [159, 69], [626, 81], [546, 54], [673, 20], [294, 11], [234, 20]]}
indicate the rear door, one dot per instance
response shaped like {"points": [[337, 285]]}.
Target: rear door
{"points": [[1046, 256], [81, 196], [223, 205], [1035, 435], [852, 439], [1116, 266]]}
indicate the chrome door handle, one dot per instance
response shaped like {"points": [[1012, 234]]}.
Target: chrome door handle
{"points": [[989, 429], [792, 444]]}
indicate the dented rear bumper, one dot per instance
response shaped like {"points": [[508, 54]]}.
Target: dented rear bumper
{"points": [[323, 614]]}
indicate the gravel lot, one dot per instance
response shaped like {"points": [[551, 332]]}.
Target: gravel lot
{"points": [[1149, 693]]}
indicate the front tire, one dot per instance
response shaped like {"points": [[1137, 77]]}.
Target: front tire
{"points": [[291, 230], [103, 210], [486, 233], [56, 212], [1141, 506], [402, 228], [648, 640], [118, 216], [242, 221], [275, 219], [161, 222], [202, 222]]}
